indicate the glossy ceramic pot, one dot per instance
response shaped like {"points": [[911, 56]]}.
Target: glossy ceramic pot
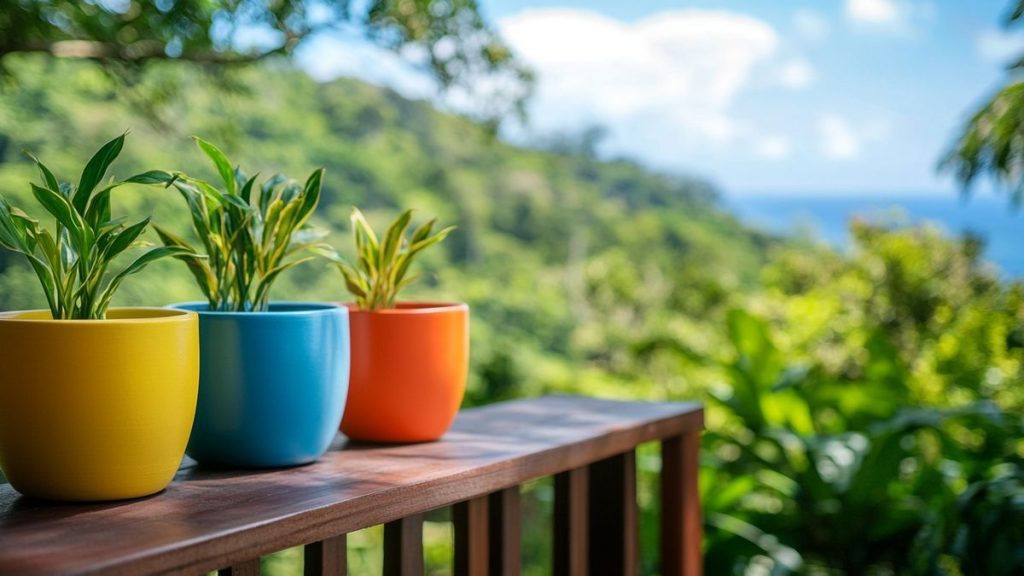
{"points": [[272, 384], [96, 409], [409, 369]]}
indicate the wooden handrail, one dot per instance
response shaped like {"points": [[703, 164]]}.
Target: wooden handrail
{"points": [[219, 519]]}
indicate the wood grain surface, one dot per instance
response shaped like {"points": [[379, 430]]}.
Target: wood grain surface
{"points": [[213, 518]]}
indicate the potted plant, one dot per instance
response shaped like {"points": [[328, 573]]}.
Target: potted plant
{"points": [[273, 375], [410, 360], [96, 403]]}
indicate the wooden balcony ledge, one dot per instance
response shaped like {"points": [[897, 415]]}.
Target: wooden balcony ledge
{"points": [[213, 519]]}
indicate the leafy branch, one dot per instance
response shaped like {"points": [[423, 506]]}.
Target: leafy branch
{"points": [[989, 144]]}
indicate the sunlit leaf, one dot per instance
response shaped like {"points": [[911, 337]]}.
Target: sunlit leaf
{"points": [[227, 173], [95, 170]]}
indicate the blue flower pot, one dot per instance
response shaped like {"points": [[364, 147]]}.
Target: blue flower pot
{"points": [[272, 385]]}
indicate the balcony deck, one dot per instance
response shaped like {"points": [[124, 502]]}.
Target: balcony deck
{"points": [[211, 519]]}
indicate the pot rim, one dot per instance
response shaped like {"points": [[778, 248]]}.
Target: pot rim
{"points": [[284, 309], [406, 308], [153, 315]]}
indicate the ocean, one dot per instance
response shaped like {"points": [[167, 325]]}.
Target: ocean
{"points": [[826, 218]]}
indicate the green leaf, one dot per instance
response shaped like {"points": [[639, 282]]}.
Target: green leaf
{"points": [[394, 236], [124, 239], [52, 253], [227, 173], [399, 269], [237, 202], [207, 190], [98, 210], [11, 236], [48, 178], [136, 266], [197, 265], [65, 214], [353, 282], [423, 231], [46, 277], [199, 211], [420, 245], [285, 228], [271, 219], [95, 170], [263, 289], [152, 177], [361, 226], [290, 192], [267, 191], [311, 195], [246, 193], [68, 252]]}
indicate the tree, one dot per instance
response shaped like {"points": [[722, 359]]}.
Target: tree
{"points": [[992, 142], [448, 38]]}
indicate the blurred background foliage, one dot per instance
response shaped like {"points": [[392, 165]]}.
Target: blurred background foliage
{"points": [[447, 39], [864, 406]]}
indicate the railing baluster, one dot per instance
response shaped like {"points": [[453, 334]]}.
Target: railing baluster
{"points": [[570, 542], [613, 516], [328, 557], [403, 547], [505, 516], [247, 568], [680, 506], [471, 537]]}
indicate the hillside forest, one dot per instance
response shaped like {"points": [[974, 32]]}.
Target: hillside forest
{"points": [[864, 406]]}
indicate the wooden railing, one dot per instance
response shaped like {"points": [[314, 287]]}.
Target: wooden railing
{"points": [[212, 519]]}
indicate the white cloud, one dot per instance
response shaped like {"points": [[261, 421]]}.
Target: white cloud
{"points": [[839, 141], [873, 11], [999, 46], [326, 57], [898, 17], [843, 139], [796, 74], [810, 25], [773, 147], [662, 85]]}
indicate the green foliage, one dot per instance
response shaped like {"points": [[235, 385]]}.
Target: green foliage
{"points": [[871, 414], [71, 262], [383, 264], [844, 489], [248, 234], [859, 403], [128, 37], [988, 144], [990, 530]]}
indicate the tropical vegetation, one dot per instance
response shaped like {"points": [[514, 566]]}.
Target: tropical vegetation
{"points": [[987, 146], [864, 406]]}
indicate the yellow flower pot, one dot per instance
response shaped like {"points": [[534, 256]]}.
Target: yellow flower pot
{"points": [[96, 409]]}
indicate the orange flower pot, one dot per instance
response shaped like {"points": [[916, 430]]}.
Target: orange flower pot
{"points": [[408, 374]]}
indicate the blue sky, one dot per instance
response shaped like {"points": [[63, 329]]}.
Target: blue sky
{"points": [[809, 97]]}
